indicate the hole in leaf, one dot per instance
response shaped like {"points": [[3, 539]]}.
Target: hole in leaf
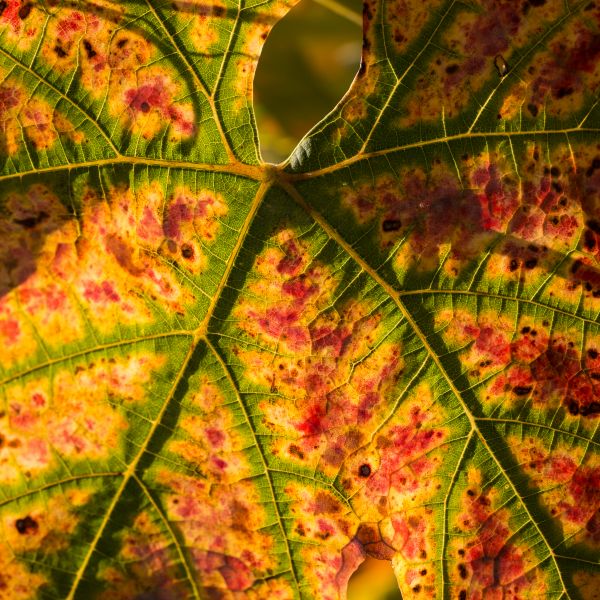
{"points": [[308, 63], [374, 580]]}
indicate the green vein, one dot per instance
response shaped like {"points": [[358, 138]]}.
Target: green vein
{"points": [[425, 343], [175, 537], [424, 143], [58, 483], [64, 97], [84, 352], [495, 295], [128, 475], [267, 474]]}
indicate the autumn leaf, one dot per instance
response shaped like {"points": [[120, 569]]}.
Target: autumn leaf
{"points": [[228, 379]]}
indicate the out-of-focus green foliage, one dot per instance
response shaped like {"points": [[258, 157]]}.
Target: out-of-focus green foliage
{"points": [[308, 63]]}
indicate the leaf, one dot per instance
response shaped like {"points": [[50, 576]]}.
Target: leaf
{"points": [[228, 379]]}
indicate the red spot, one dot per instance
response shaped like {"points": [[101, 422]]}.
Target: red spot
{"points": [[218, 462], [236, 574], [290, 263], [9, 98], [101, 293], [300, 288], [179, 212], [499, 203], [313, 423], [336, 340], [215, 436], [38, 400], [149, 228], [279, 323], [10, 14], [74, 23], [148, 96], [493, 345], [10, 330]]}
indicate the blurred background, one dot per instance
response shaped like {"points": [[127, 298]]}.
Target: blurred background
{"points": [[309, 61]]}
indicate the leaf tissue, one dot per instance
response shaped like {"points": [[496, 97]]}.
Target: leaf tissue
{"points": [[225, 379]]}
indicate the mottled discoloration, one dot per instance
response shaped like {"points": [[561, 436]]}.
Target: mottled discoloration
{"points": [[209, 440], [30, 119], [123, 257], [407, 19], [222, 526], [205, 22], [559, 80], [326, 399], [478, 38], [486, 559], [148, 564], [34, 528], [21, 23], [73, 414], [528, 216], [568, 484]]}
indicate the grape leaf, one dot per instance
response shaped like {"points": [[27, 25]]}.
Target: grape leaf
{"points": [[228, 379]]}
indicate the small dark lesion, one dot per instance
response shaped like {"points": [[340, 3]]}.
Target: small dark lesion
{"points": [[89, 50], [364, 470], [25, 11], [31, 222], [60, 51], [26, 525], [522, 390], [3, 5], [391, 225]]}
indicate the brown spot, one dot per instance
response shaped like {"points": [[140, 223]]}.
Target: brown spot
{"points": [[594, 226], [3, 5], [364, 470], [24, 11], [187, 251], [462, 595], [462, 570], [537, 2], [296, 451], [592, 353], [391, 225], [451, 69], [26, 525], [325, 504], [533, 109], [60, 52], [30, 222], [89, 50], [589, 240], [522, 390], [531, 263]]}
